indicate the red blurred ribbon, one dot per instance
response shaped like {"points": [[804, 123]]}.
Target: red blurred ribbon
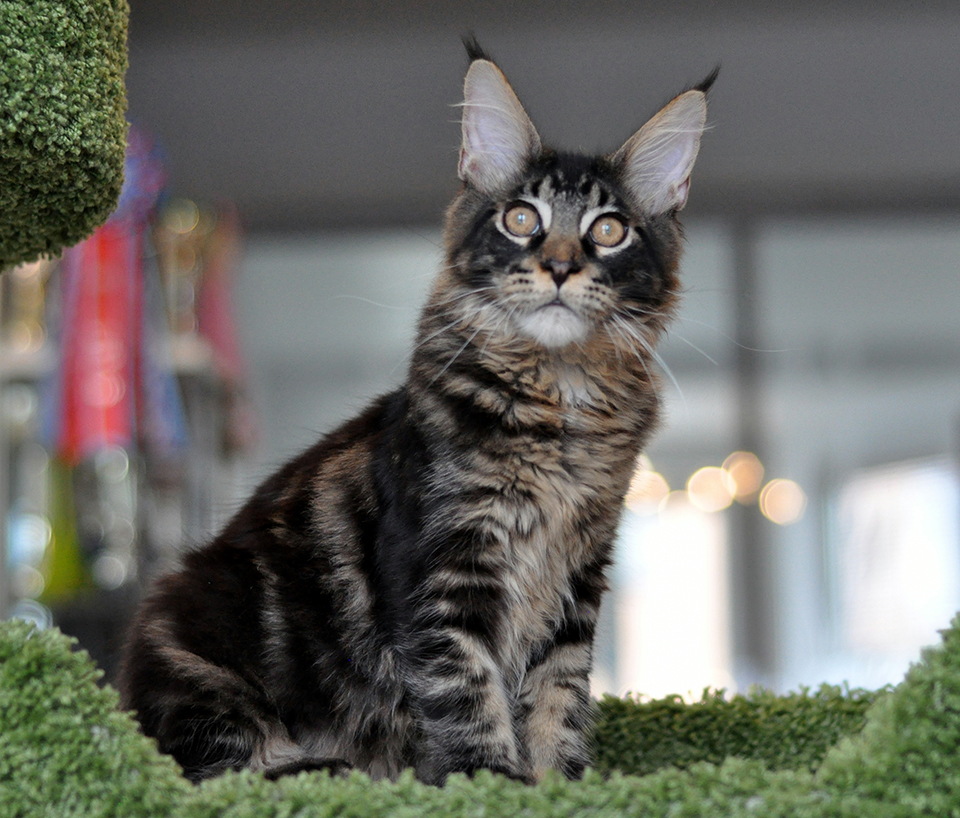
{"points": [[115, 386], [99, 345]]}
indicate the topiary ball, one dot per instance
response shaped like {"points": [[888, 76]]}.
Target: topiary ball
{"points": [[62, 127]]}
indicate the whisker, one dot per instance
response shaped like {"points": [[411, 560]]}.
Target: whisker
{"points": [[453, 299], [467, 317], [645, 343], [670, 375], [616, 346], [427, 340], [406, 280], [627, 334], [435, 333], [456, 355], [432, 242], [689, 343], [503, 319], [370, 301], [731, 339]]}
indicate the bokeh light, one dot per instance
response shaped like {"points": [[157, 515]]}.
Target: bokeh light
{"points": [[747, 472], [782, 501], [711, 488], [676, 501]]}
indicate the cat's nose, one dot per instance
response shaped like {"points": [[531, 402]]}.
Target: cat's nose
{"points": [[560, 269], [561, 257]]}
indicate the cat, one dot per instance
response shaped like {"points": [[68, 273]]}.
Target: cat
{"points": [[421, 587]]}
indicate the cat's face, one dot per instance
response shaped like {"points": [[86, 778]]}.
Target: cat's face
{"points": [[564, 254], [560, 248]]}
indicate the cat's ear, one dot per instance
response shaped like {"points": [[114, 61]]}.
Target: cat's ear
{"points": [[498, 136], [657, 160]]}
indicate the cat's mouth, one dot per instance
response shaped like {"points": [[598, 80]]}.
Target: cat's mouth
{"points": [[554, 324]]}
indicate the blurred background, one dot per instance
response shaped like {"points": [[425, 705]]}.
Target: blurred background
{"points": [[796, 520]]}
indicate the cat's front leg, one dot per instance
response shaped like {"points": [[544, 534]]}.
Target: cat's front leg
{"points": [[458, 688], [556, 710]]}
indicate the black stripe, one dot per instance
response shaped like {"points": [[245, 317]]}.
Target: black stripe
{"points": [[461, 703]]}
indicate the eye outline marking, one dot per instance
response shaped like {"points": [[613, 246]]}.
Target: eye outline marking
{"points": [[541, 208], [590, 218]]}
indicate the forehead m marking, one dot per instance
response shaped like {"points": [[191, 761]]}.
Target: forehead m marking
{"points": [[541, 188], [563, 205], [587, 191]]}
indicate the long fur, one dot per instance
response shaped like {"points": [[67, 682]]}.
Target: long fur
{"points": [[421, 588]]}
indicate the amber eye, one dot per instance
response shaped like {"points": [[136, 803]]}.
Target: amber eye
{"points": [[521, 220], [608, 231]]}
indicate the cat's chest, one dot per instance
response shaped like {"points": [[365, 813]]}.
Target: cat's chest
{"points": [[546, 527], [544, 494], [538, 565]]}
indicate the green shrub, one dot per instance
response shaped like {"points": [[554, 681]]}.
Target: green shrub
{"points": [[784, 732], [65, 748], [62, 127], [66, 751]]}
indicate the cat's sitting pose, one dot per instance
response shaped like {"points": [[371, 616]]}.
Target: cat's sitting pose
{"points": [[420, 589]]}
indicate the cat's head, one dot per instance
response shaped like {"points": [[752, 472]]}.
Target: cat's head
{"points": [[559, 248]]}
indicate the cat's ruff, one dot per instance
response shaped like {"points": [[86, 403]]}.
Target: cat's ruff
{"points": [[421, 588]]}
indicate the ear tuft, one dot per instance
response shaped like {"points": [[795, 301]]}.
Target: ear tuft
{"points": [[498, 136], [657, 160], [707, 82], [475, 51]]}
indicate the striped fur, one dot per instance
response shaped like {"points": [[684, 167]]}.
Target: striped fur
{"points": [[421, 587]]}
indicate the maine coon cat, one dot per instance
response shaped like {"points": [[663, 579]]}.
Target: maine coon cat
{"points": [[421, 588]]}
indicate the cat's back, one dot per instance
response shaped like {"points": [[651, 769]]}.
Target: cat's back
{"points": [[280, 569]]}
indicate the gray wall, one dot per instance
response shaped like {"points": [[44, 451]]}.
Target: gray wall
{"points": [[316, 114]]}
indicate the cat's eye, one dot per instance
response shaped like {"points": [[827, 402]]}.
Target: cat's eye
{"points": [[608, 231], [521, 220]]}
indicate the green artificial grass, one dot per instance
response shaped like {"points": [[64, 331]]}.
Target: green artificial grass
{"points": [[789, 732], [62, 126], [65, 748], [66, 751]]}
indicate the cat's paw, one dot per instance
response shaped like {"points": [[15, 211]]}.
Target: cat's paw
{"points": [[336, 766], [437, 776], [498, 769], [524, 778]]}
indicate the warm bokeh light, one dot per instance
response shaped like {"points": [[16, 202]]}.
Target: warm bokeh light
{"points": [[711, 488], [782, 501], [747, 472], [647, 488], [677, 500]]}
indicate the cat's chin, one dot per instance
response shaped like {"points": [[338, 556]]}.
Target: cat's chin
{"points": [[554, 326]]}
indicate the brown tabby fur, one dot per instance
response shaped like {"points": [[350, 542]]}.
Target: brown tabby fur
{"points": [[421, 587]]}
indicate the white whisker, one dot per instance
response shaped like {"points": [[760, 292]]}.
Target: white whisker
{"points": [[670, 375], [429, 338], [369, 301], [616, 346], [456, 355], [627, 334], [505, 317], [633, 333], [689, 343], [732, 340]]}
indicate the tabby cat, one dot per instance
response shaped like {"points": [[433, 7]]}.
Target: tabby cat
{"points": [[421, 588]]}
